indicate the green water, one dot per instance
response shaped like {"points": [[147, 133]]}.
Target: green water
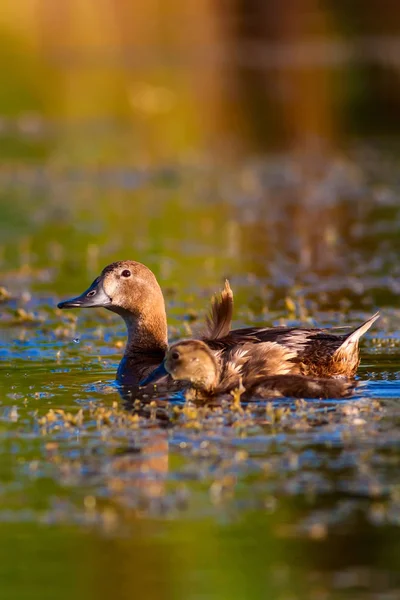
{"points": [[294, 501]]}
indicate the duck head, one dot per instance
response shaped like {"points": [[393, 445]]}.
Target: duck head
{"points": [[131, 290], [191, 361]]}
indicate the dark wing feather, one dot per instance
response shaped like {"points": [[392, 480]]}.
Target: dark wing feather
{"points": [[292, 337], [300, 340]]}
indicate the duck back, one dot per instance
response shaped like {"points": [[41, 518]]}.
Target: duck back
{"points": [[316, 352]]}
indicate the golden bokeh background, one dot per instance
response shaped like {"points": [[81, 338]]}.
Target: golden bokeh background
{"points": [[184, 77]]}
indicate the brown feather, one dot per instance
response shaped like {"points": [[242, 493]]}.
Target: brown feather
{"points": [[269, 358], [214, 374], [219, 321], [317, 352], [138, 299], [348, 350]]}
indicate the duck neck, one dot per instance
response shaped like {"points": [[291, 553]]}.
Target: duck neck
{"points": [[146, 333]]}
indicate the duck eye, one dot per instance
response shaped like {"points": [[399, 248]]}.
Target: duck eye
{"points": [[175, 355], [126, 273]]}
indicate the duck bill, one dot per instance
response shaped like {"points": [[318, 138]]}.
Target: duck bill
{"points": [[95, 296], [155, 375]]}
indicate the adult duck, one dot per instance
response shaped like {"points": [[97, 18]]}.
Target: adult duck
{"points": [[131, 290], [210, 375]]}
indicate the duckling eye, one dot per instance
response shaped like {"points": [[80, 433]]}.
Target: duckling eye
{"points": [[126, 273], [175, 355]]}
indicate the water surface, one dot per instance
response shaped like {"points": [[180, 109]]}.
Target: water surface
{"points": [[284, 500]]}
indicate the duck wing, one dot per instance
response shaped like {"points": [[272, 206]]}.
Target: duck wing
{"points": [[297, 339], [329, 354], [289, 336], [317, 352]]}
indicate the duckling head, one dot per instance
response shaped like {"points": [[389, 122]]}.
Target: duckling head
{"points": [[193, 361], [130, 289]]}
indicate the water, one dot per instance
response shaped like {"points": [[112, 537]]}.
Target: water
{"points": [[290, 500]]}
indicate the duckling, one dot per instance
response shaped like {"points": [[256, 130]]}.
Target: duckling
{"points": [[192, 361], [264, 359], [131, 290]]}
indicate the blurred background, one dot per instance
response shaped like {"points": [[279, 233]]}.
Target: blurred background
{"points": [[184, 78]]}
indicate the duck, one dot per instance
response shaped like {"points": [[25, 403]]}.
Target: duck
{"points": [[131, 290], [210, 375]]}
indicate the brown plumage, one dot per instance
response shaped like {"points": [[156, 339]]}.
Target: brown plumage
{"points": [[219, 321], [192, 361], [131, 290], [318, 352]]}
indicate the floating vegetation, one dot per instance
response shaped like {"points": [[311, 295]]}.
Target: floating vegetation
{"points": [[4, 294], [169, 480]]}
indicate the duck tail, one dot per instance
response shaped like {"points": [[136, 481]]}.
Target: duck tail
{"points": [[219, 321], [352, 340]]}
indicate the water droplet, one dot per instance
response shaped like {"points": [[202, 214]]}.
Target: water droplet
{"points": [[13, 414], [77, 340]]}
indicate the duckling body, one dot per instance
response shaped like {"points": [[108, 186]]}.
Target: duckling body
{"points": [[193, 361], [131, 290]]}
